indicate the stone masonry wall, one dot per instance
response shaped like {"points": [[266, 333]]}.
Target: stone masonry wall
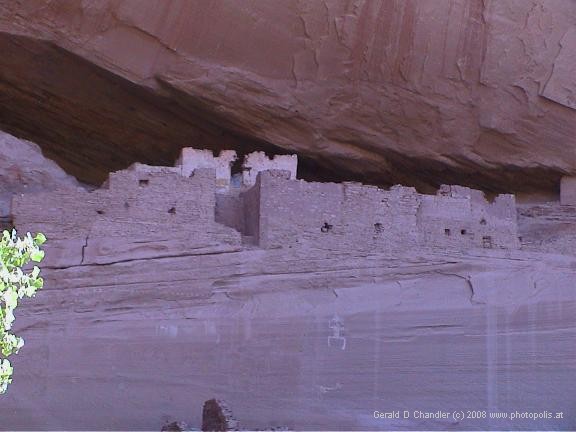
{"points": [[355, 216], [251, 210], [381, 219], [296, 212], [278, 211], [568, 191], [140, 201], [229, 210], [192, 159], [335, 216], [461, 218], [257, 162]]}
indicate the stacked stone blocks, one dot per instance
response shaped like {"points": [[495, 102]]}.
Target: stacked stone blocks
{"points": [[271, 210]]}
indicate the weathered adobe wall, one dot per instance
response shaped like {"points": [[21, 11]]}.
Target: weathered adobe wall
{"points": [[229, 210], [293, 212], [459, 217], [252, 164], [257, 162], [568, 191], [62, 214], [334, 216], [381, 219], [162, 196], [278, 211], [356, 216], [142, 201], [444, 222], [251, 206], [192, 159]]}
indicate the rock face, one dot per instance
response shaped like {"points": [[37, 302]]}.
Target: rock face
{"points": [[197, 202], [139, 324], [23, 169], [148, 313], [413, 92], [306, 339], [217, 416]]}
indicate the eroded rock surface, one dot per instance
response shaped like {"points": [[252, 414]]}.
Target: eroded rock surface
{"points": [[23, 169], [137, 326], [217, 416], [305, 339], [417, 92], [148, 313]]}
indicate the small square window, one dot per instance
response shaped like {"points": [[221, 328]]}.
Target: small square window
{"points": [[447, 231], [143, 182]]}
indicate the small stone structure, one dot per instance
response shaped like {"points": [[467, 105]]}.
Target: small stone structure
{"points": [[217, 416], [139, 201], [193, 159], [568, 191], [332, 215], [257, 162], [460, 217], [196, 198], [175, 426]]}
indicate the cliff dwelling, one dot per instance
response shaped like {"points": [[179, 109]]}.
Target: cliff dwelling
{"points": [[198, 197], [287, 215]]}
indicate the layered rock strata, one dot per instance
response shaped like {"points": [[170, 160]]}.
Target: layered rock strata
{"points": [[479, 93], [147, 325], [302, 338]]}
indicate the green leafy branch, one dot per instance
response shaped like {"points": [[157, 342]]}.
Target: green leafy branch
{"points": [[15, 283]]}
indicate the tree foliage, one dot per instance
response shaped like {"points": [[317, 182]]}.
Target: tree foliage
{"points": [[15, 283]]}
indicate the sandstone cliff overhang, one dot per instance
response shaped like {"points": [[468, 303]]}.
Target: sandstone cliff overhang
{"points": [[416, 93]]}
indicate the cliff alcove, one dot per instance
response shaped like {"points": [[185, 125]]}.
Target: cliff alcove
{"points": [[99, 86], [406, 249]]}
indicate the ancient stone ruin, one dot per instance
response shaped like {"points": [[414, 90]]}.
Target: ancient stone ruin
{"points": [[310, 292], [568, 191], [217, 416], [269, 208], [228, 277]]}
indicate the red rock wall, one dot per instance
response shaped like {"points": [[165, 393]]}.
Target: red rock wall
{"points": [[416, 92]]}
